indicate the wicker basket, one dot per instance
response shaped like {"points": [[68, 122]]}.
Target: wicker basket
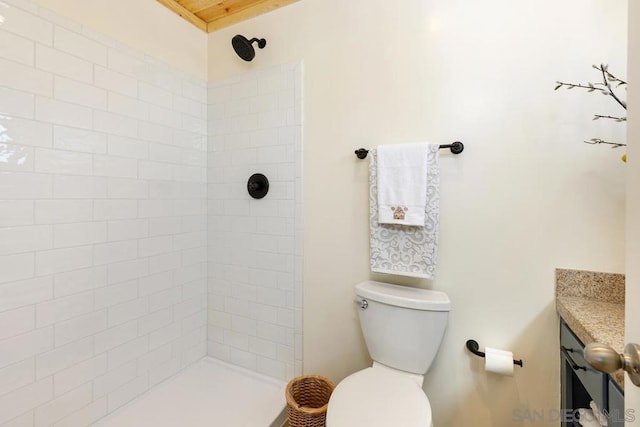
{"points": [[307, 400]]}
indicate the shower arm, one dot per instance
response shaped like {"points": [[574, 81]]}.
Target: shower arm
{"points": [[261, 42]]}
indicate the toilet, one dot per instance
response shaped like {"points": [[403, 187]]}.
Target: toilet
{"points": [[403, 328]]}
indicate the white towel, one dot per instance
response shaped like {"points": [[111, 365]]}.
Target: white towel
{"points": [[602, 419], [402, 184], [397, 249], [587, 418]]}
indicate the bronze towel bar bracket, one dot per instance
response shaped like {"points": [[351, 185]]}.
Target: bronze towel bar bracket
{"points": [[456, 148]]}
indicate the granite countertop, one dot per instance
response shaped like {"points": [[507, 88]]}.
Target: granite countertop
{"points": [[592, 305]]}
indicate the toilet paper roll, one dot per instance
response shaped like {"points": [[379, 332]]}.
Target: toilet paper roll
{"points": [[498, 361]]}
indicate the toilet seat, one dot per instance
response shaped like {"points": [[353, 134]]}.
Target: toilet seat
{"points": [[378, 397]]}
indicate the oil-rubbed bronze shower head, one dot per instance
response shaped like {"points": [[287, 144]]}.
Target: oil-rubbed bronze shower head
{"points": [[244, 47]]}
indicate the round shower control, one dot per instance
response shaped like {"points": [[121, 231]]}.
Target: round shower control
{"points": [[258, 186]]}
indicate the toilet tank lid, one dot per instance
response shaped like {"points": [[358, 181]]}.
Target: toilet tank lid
{"points": [[404, 296]]}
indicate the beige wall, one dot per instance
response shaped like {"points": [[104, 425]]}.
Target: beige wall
{"points": [[143, 25], [525, 197], [632, 393]]}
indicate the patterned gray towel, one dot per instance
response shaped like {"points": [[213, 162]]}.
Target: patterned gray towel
{"points": [[401, 249]]}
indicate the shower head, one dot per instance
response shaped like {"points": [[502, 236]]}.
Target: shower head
{"points": [[244, 48]]}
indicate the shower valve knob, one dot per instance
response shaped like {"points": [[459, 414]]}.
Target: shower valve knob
{"points": [[258, 186]]}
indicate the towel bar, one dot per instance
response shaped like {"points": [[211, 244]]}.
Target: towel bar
{"points": [[456, 148]]}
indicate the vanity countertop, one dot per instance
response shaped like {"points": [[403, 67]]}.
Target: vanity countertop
{"points": [[592, 305]]}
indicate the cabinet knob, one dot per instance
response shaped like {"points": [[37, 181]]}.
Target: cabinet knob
{"points": [[605, 359]]}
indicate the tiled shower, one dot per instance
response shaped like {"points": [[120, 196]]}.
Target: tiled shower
{"points": [[255, 246], [111, 195]]}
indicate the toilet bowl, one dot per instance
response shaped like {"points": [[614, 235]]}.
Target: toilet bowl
{"points": [[403, 328], [379, 397]]}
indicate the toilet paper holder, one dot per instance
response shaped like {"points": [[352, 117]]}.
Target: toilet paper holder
{"points": [[473, 347]]}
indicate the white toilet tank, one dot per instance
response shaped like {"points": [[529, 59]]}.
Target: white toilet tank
{"points": [[402, 326]]}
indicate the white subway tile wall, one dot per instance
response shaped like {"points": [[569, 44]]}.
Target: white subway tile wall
{"points": [[255, 246], [103, 201]]}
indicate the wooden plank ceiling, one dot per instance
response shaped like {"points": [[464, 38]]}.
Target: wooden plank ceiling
{"points": [[210, 15]]}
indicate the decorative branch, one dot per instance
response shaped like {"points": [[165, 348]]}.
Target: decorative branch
{"points": [[605, 73], [617, 119], [604, 88], [602, 141], [610, 76], [590, 87]]}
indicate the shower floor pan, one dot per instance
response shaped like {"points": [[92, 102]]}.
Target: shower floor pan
{"points": [[209, 393]]}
